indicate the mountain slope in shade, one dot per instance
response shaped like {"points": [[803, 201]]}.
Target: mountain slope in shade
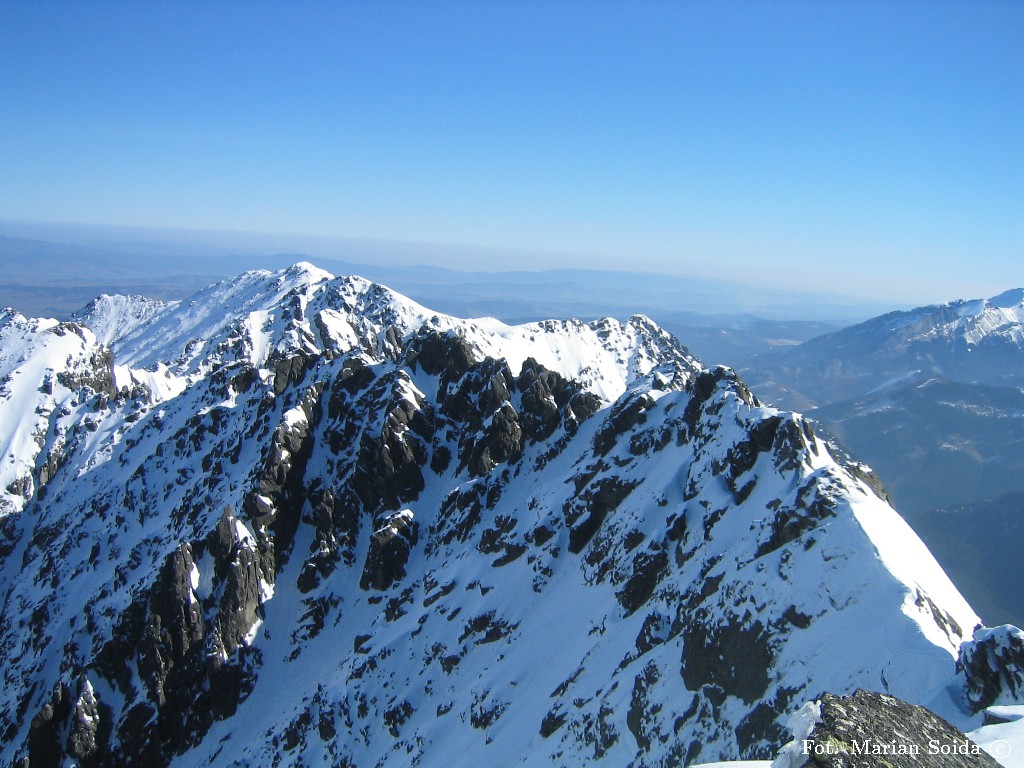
{"points": [[300, 519]]}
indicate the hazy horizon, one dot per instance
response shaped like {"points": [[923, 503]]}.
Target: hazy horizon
{"points": [[873, 148], [164, 243]]}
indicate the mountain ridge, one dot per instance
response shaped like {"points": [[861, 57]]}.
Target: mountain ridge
{"points": [[328, 471], [969, 341]]}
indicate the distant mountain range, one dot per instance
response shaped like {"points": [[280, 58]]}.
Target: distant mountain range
{"points": [[720, 319]]}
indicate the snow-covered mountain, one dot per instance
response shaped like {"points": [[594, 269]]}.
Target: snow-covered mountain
{"points": [[967, 341], [299, 519]]}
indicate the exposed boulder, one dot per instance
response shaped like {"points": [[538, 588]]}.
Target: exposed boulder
{"points": [[447, 354], [501, 441], [390, 546], [89, 726], [992, 665]]}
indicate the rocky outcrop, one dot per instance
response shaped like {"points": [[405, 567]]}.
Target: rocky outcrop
{"points": [[390, 547], [275, 505], [98, 372], [89, 727], [992, 666], [447, 354], [188, 642], [869, 730], [544, 394], [71, 723], [389, 466]]}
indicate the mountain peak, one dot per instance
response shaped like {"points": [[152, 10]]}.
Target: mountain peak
{"points": [[1008, 299], [113, 316], [306, 271]]}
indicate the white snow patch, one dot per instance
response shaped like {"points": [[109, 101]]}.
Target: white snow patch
{"points": [[295, 417], [254, 630], [193, 577], [204, 570], [266, 590], [161, 383], [971, 308], [245, 537], [800, 725], [1004, 741]]}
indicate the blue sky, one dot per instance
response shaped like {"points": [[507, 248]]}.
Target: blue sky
{"points": [[874, 146]]}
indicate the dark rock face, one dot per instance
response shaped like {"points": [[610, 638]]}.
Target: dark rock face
{"points": [[389, 464], [44, 740], [625, 414], [99, 374], [993, 667], [388, 556], [436, 353], [648, 568], [814, 505], [192, 658], [282, 482], [237, 569], [289, 370], [89, 728], [869, 730], [476, 400], [591, 508], [731, 657], [544, 393], [501, 441], [336, 522]]}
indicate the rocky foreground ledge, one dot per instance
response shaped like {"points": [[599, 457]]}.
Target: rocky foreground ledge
{"points": [[869, 730]]}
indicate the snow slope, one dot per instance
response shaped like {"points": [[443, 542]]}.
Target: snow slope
{"points": [[45, 367], [112, 317]]}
